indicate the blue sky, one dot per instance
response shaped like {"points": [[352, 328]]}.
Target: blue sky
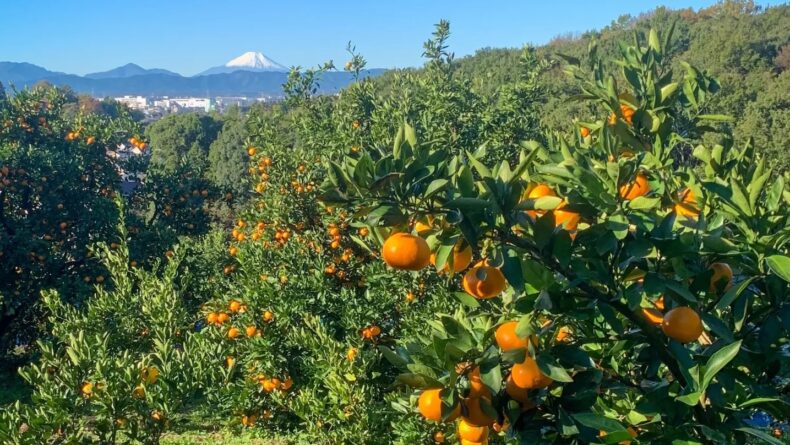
{"points": [[188, 36]]}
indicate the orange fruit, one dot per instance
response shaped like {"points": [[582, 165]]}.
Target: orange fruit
{"points": [[438, 437], [233, 333], [584, 132], [569, 220], [476, 386], [212, 318], [430, 405], [633, 190], [424, 225], [687, 206], [87, 389], [563, 334], [222, 318], [474, 412], [138, 392], [536, 192], [251, 331], [462, 257], [506, 337], [406, 252], [515, 392], [234, 306], [473, 433], [251, 151], [722, 273], [654, 316], [527, 375], [268, 316], [682, 324], [483, 281]]}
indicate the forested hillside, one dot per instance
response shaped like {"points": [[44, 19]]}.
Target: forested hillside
{"points": [[745, 47]]}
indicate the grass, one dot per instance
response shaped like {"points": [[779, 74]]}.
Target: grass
{"points": [[216, 438]]}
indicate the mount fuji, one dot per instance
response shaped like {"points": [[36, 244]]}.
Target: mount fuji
{"points": [[249, 61]]}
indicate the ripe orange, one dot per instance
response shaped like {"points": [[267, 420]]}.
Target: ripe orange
{"points": [[462, 257], [515, 392], [251, 331], [87, 389], [406, 252], [351, 354], [483, 281], [476, 386], [527, 375], [633, 190], [222, 318], [251, 151], [473, 433], [233, 251], [474, 412], [430, 405], [269, 385], [687, 206], [722, 277], [682, 324], [268, 316], [563, 334], [233, 333], [569, 220], [234, 306], [212, 318], [536, 192], [584, 132], [507, 339]]}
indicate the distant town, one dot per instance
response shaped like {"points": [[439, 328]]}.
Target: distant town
{"points": [[156, 107]]}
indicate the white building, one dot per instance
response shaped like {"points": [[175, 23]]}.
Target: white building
{"points": [[133, 102]]}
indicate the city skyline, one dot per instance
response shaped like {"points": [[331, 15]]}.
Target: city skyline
{"points": [[188, 39]]}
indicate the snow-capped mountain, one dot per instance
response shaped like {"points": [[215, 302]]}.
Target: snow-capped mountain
{"points": [[249, 61]]}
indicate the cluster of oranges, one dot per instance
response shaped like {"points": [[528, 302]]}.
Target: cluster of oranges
{"points": [[626, 112], [138, 143], [74, 135], [273, 384], [262, 169], [370, 332]]}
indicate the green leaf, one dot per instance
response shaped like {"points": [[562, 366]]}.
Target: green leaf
{"points": [[549, 366], [468, 204], [598, 422], [732, 294], [779, 265], [392, 357], [547, 203], [757, 401], [718, 361], [466, 299], [642, 203], [765, 437], [410, 134], [716, 117], [690, 399], [419, 381], [435, 187]]}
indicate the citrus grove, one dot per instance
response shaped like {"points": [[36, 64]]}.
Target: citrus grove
{"points": [[422, 265]]}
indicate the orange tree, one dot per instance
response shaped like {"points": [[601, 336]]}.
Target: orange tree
{"points": [[118, 368], [56, 184], [305, 302], [624, 290]]}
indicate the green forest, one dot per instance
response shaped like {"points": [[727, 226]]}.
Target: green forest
{"points": [[583, 242]]}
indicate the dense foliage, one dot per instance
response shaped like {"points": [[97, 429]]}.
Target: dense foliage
{"points": [[457, 253]]}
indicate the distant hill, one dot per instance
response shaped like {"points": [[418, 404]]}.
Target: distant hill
{"points": [[129, 70], [128, 80]]}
